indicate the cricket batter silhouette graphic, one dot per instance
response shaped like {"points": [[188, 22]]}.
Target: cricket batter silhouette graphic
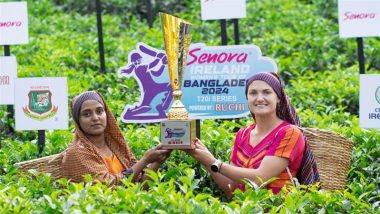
{"points": [[145, 74]]}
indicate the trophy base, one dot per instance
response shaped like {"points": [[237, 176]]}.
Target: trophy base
{"points": [[178, 134]]}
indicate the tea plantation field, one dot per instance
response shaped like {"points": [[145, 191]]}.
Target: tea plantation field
{"points": [[320, 70]]}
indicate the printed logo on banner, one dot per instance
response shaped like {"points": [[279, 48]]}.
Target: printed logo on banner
{"points": [[13, 23], [358, 18], [4, 80], [215, 78], [369, 101], [41, 103], [9, 24], [213, 86], [146, 65], [8, 72], [377, 94], [40, 106]]}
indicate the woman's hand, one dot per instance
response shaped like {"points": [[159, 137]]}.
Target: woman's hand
{"points": [[165, 155], [156, 154], [201, 153]]}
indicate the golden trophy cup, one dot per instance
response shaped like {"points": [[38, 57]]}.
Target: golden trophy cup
{"points": [[178, 132]]}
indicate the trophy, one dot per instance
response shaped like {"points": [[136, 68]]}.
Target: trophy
{"points": [[178, 132]]}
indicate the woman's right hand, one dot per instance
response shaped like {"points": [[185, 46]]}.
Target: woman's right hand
{"points": [[201, 153]]}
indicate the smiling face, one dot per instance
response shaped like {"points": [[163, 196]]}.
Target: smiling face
{"points": [[92, 118], [262, 99]]}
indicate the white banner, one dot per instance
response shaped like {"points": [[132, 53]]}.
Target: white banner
{"points": [[359, 18], [13, 23], [41, 103], [8, 73], [222, 9], [369, 114]]}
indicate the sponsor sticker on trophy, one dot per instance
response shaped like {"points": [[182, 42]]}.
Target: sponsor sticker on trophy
{"points": [[178, 132]]}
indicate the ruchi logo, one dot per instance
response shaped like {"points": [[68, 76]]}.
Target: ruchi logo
{"points": [[11, 24], [377, 94], [216, 57], [354, 16]]}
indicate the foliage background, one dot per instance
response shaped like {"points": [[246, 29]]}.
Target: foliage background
{"points": [[321, 74]]}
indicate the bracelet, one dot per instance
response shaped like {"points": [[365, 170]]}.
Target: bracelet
{"points": [[126, 173]]}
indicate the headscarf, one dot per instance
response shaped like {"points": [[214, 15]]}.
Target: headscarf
{"points": [[82, 157], [284, 110]]}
